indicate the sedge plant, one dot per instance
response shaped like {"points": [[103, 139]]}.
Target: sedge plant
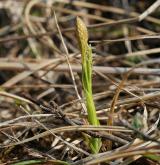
{"points": [[86, 55]]}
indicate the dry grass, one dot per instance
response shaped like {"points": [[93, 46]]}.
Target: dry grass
{"points": [[42, 113]]}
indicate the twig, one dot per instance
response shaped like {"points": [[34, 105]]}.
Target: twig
{"points": [[69, 65], [140, 37], [151, 9], [143, 135], [13, 96], [24, 117], [15, 66], [70, 30]]}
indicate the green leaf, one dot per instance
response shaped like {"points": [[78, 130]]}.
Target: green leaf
{"points": [[36, 162], [153, 157], [29, 162], [95, 144], [138, 121]]}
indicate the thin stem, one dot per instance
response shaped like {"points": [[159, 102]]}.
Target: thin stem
{"points": [[86, 51]]}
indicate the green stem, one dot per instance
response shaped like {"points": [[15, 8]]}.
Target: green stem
{"points": [[86, 52], [95, 143]]}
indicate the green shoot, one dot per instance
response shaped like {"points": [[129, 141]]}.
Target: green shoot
{"points": [[86, 51]]}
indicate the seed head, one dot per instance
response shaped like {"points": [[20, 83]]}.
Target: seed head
{"points": [[82, 33]]}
